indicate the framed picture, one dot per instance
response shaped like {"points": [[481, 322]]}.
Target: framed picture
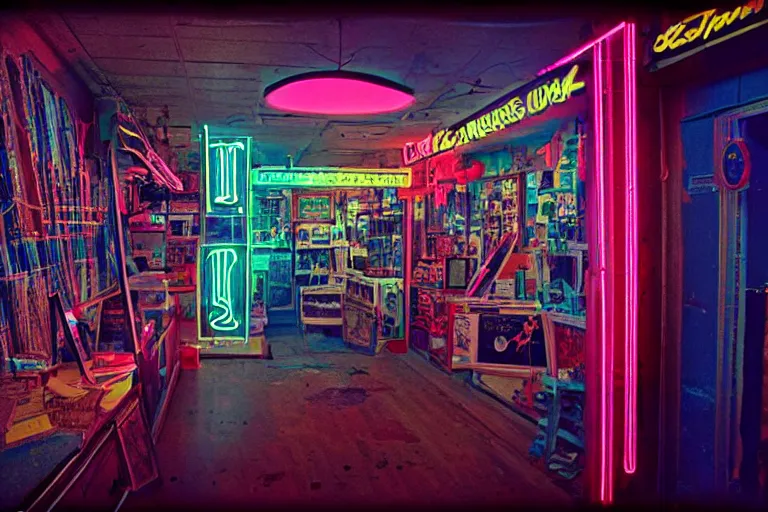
{"points": [[458, 272], [71, 335], [359, 329], [137, 447], [314, 207], [568, 345], [512, 343]]}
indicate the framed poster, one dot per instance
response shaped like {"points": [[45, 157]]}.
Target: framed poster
{"points": [[71, 335], [513, 341], [314, 207], [137, 448], [465, 331], [568, 334], [359, 328]]}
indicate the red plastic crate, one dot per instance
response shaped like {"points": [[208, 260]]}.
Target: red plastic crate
{"points": [[190, 357]]}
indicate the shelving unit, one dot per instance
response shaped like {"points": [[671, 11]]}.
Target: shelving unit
{"points": [[270, 224], [561, 426], [148, 240]]}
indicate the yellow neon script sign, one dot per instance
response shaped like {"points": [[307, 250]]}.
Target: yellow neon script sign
{"points": [[553, 92], [332, 178], [704, 26]]}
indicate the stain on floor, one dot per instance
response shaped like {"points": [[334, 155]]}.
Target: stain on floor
{"points": [[340, 397]]}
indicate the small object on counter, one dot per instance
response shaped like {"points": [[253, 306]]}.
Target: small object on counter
{"points": [[25, 429]]}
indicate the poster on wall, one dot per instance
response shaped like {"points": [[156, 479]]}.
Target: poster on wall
{"points": [[569, 335], [391, 307], [465, 329], [137, 448], [314, 207], [359, 328], [512, 340], [280, 280]]}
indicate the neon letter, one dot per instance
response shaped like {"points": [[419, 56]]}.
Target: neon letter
{"points": [[223, 262]]}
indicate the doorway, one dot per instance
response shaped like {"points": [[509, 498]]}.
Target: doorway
{"points": [[754, 412]]}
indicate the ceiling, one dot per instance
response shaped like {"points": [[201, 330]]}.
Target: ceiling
{"points": [[213, 70]]}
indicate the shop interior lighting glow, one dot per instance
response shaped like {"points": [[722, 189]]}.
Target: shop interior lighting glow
{"points": [[343, 93]]}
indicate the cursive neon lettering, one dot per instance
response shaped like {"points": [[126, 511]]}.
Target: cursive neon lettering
{"points": [[555, 91], [702, 26], [463, 139], [496, 123]]}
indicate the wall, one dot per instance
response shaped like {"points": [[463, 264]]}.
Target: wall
{"points": [[700, 227]]}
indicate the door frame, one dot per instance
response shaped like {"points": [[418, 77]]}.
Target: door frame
{"points": [[731, 298]]}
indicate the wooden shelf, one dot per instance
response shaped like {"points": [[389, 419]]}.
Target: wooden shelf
{"points": [[147, 230]]}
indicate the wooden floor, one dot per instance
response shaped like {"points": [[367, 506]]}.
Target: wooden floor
{"points": [[335, 428]]}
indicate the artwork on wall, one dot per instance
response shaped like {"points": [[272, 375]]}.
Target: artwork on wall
{"points": [[465, 331], [568, 334], [280, 280], [137, 447], [314, 207], [359, 328], [512, 340]]}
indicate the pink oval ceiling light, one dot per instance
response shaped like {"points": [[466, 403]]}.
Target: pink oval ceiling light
{"points": [[345, 93]]}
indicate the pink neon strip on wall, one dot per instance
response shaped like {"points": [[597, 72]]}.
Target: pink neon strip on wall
{"points": [[631, 257], [607, 328], [582, 49], [631, 279], [606, 442]]}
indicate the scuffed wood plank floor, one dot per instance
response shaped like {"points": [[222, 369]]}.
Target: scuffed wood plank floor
{"points": [[339, 429]]}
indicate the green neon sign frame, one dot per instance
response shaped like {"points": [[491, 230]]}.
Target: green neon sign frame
{"points": [[331, 177], [223, 263], [223, 293], [226, 177]]}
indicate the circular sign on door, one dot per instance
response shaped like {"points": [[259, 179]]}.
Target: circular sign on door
{"points": [[735, 166]]}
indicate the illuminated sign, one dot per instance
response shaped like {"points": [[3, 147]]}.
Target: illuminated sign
{"points": [[223, 291], [414, 151], [704, 29], [332, 177], [222, 314], [532, 100], [227, 161]]}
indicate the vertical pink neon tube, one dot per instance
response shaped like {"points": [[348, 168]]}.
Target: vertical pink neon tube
{"points": [[582, 49], [605, 339], [631, 255]]}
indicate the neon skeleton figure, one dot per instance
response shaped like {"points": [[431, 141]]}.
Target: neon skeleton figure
{"points": [[226, 172], [223, 262]]}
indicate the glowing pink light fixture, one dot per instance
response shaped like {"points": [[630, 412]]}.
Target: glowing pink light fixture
{"points": [[342, 93]]}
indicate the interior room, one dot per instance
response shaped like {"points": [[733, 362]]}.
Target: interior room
{"points": [[345, 260]]}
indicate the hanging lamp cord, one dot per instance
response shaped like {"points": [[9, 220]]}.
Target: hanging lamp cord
{"points": [[339, 61]]}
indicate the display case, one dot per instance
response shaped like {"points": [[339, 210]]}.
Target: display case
{"points": [[321, 305]]}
